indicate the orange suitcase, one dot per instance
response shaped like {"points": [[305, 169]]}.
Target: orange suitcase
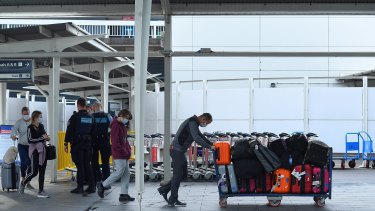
{"points": [[281, 181], [222, 153]]}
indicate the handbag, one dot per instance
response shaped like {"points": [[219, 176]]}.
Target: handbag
{"points": [[50, 152]]}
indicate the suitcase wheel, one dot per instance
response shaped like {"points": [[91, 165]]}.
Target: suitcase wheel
{"points": [[223, 202], [320, 202], [274, 203], [373, 165], [342, 164], [73, 178]]}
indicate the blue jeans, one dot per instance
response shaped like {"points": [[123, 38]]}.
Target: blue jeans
{"points": [[23, 150]]}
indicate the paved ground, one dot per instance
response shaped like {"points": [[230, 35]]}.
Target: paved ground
{"points": [[353, 190]]}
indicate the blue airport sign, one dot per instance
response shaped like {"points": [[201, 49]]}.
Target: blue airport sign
{"points": [[16, 70]]}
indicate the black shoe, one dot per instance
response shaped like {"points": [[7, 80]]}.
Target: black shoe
{"points": [[100, 190], [108, 188], [125, 197], [164, 194], [90, 190], [176, 203], [77, 191]]}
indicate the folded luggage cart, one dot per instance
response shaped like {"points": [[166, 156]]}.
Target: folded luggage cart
{"points": [[274, 199], [367, 148], [352, 152]]}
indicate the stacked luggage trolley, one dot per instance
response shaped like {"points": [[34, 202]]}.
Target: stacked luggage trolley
{"points": [[307, 174]]}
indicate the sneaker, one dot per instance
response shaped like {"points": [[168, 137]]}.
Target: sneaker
{"points": [[77, 191], [21, 188], [164, 194], [43, 194], [125, 197], [100, 190], [176, 203], [107, 188], [28, 186]]}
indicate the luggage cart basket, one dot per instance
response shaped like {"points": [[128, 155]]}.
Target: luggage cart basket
{"points": [[274, 199], [352, 150]]}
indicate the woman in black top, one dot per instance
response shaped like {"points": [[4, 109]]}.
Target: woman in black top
{"points": [[37, 138]]}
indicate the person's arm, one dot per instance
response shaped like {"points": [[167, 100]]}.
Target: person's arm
{"points": [[194, 132], [115, 138], [70, 130], [31, 137], [204, 138], [15, 130]]}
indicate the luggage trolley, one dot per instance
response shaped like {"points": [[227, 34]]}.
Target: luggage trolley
{"points": [[352, 151], [367, 148], [274, 199]]}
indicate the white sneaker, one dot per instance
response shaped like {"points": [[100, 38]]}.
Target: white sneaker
{"points": [[21, 188], [43, 194]]}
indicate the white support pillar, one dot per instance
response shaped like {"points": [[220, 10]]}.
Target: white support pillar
{"points": [[167, 98], [105, 89], [3, 102], [142, 27], [365, 104], [18, 95], [205, 88], [27, 97], [306, 126], [32, 98], [251, 105], [53, 110], [63, 100], [157, 91], [178, 91], [131, 101]]}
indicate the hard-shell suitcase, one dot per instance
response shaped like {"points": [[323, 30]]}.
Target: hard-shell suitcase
{"points": [[320, 180], [281, 181], [230, 177], [264, 183], [247, 185], [10, 176], [317, 154], [222, 153], [302, 179]]}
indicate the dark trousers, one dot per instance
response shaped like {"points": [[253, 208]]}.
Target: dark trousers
{"points": [[23, 151], [82, 159], [105, 153], [179, 173], [35, 168]]}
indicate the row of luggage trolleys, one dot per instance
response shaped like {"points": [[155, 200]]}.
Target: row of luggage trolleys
{"points": [[276, 185]]}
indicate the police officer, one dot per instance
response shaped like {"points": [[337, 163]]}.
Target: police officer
{"points": [[102, 143], [80, 133]]}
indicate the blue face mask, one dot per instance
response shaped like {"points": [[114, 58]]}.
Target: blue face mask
{"points": [[203, 125]]}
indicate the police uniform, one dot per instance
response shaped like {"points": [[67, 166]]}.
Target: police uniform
{"points": [[102, 144], [80, 133]]}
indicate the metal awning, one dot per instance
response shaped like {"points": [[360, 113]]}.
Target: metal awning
{"points": [[85, 66]]}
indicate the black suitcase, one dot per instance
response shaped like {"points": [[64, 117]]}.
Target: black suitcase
{"points": [[247, 168], [317, 154], [241, 150]]}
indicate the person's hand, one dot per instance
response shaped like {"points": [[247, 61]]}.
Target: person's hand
{"points": [[13, 138], [66, 148], [46, 137]]}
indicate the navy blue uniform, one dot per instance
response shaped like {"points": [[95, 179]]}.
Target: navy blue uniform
{"points": [[102, 144], [80, 133]]}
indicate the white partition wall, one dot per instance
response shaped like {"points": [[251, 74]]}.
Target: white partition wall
{"points": [[13, 109], [334, 112], [371, 112], [278, 110]]}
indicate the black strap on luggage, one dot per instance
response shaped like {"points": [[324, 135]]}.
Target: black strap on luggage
{"points": [[13, 172], [228, 179], [303, 180], [322, 175]]}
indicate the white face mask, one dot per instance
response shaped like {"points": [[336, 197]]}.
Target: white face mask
{"points": [[203, 125], [40, 120], [125, 121], [25, 117]]}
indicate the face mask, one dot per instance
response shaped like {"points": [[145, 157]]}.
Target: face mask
{"points": [[40, 120], [125, 121], [203, 125], [25, 117]]}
